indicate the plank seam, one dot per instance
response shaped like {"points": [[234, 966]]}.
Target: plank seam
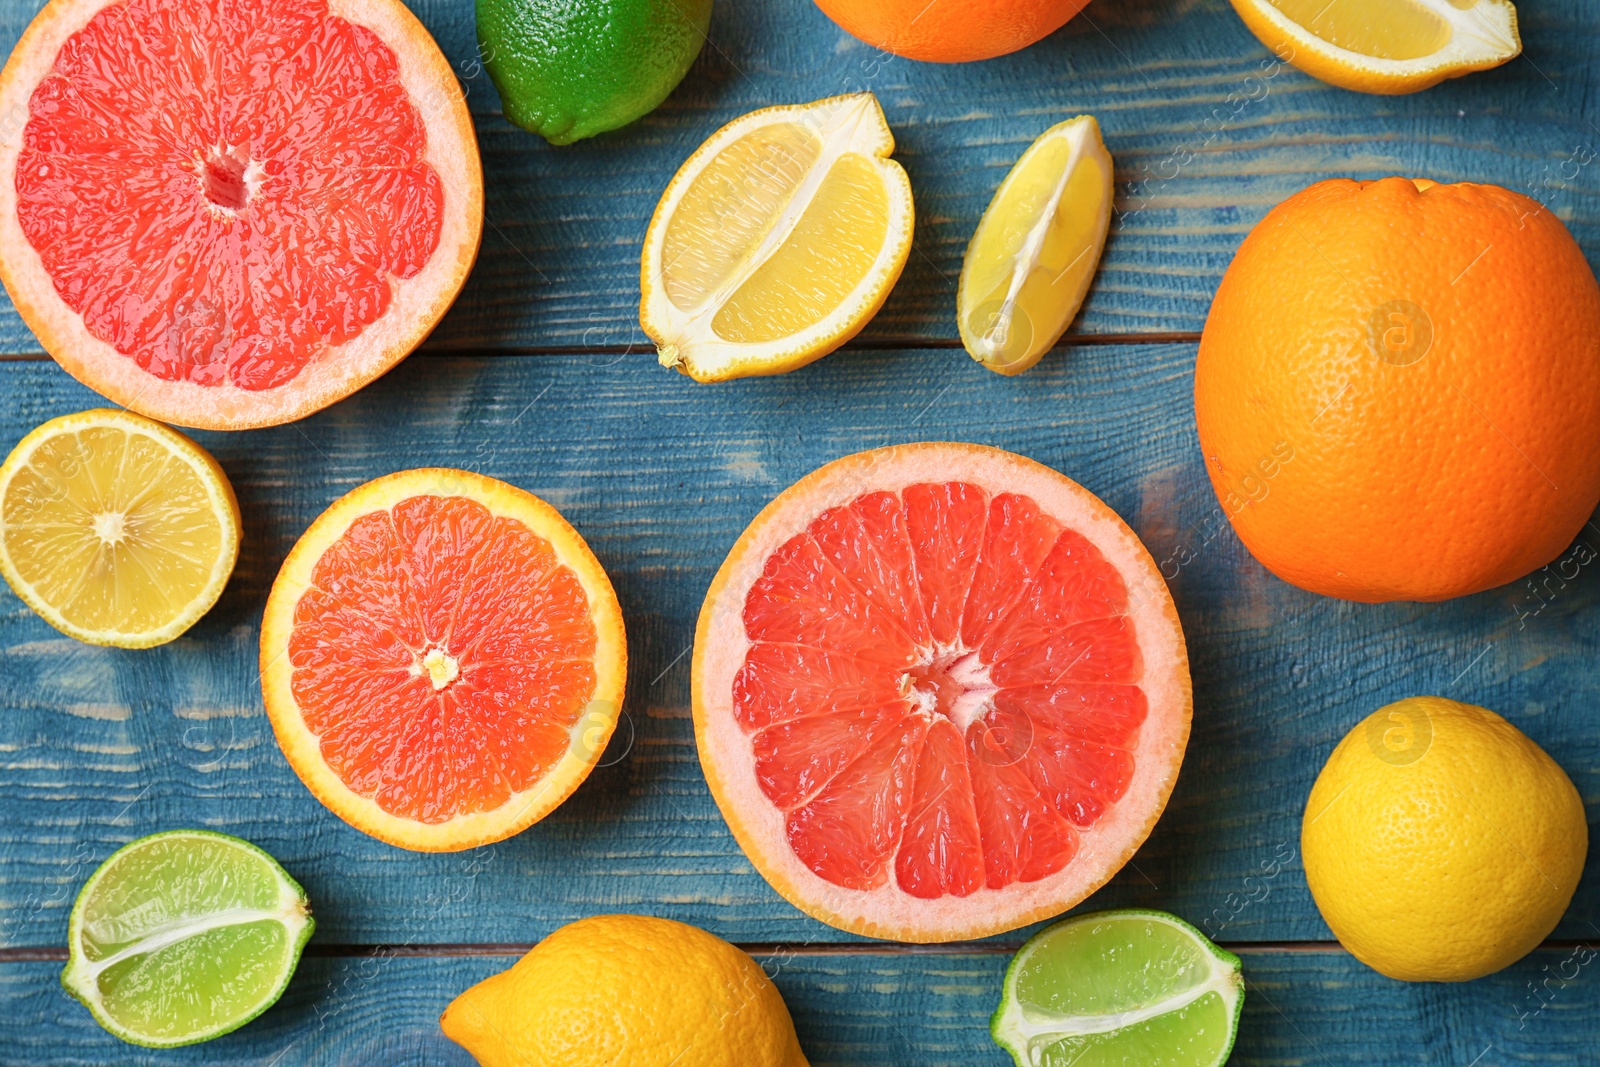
{"points": [[642, 349], [448, 950]]}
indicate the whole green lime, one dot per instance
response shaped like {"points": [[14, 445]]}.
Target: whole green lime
{"points": [[569, 69]]}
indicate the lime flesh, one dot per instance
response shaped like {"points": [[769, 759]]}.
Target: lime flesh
{"points": [[183, 936], [1120, 989], [569, 69]]}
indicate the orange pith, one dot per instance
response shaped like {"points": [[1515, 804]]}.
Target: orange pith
{"points": [[1398, 387], [437, 656], [938, 693]]}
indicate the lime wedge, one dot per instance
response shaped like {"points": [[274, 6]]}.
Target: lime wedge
{"points": [[1120, 989], [183, 936]]}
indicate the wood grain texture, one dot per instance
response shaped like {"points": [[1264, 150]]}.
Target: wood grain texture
{"points": [[98, 746], [1207, 131], [1300, 1008]]}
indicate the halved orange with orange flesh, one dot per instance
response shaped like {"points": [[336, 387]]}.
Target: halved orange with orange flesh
{"points": [[442, 659], [940, 691], [229, 215]]}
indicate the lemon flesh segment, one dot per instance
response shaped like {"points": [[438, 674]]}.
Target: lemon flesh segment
{"points": [[777, 240], [183, 936], [1124, 988], [1386, 46], [1036, 249], [116, 529]]}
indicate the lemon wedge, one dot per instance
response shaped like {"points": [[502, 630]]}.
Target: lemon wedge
{"points": [[1030, 262], [776, 241], [116, 529], [1385, 46]]}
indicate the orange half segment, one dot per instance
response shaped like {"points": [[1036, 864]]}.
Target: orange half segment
{"points": [[442, 659], [940, 691]]}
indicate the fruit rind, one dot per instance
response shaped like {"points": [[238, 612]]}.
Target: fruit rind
{"points": [[1228, 969], [688, 345], [1351, 475], [1369, 74], [1083, 131], [725, 751], [1403, 841], [561, 119], [206, 469], [301, 747], [297, 919], [417, 302]]}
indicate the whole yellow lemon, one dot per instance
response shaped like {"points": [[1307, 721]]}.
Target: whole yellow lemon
{"points": [[626, 991], [1440, 843]]}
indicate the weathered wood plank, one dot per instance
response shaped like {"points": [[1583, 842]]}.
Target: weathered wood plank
{"points": [[98, 746], [926, 1011], [1207, 131]]}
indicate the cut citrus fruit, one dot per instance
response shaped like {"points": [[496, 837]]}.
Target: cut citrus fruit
{"points": [[1385, 46], [776, 241], [940, 691], [1030, 262], [183, 936], [1125, 988], [232, 215], [117, 530], [442, 659]]}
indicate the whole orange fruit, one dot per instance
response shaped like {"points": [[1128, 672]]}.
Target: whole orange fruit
{"points": [[1398, 389], [950, 31]]}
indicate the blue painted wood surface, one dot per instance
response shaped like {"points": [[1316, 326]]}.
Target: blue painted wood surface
{"points": [[99, 746]]}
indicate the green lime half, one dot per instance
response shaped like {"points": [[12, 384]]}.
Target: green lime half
{"points": [[569, 69], [1120, 989], [183, 936]]}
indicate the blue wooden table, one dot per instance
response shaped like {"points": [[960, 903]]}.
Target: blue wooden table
{"points": [[540, 376]]}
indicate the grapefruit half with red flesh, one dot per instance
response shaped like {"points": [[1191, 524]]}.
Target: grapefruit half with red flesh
{"points": [[232, 213], [442, 659], [940, 691]]}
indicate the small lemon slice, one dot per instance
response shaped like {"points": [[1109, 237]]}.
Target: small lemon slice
{"points": [[1029, 265], [116, 529], [776, 241], [1385, 46]]}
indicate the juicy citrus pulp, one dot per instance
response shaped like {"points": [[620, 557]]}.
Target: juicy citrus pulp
{"points": [[627, 991], [117, 530], [442, 659], [777, 240], [1440, 842], [1386, 46], [1030, 262], [232, 214], [939, 691], [571, 72], [1124, 988], [183, 936]]}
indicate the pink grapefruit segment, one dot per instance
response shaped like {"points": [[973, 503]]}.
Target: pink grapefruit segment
{"points": [[229, 214], [442, 659], [940, 691]]}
